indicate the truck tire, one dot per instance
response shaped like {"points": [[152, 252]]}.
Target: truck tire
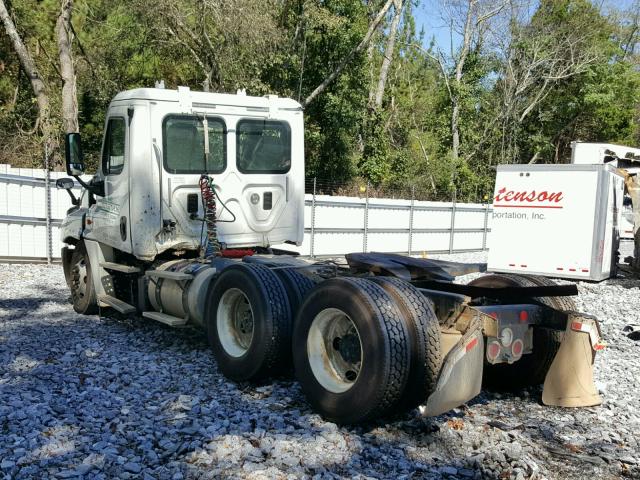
{"points": [[424, 335], [351, 350], [296, 285], [83, 294], [532, 368], [248, 322]]}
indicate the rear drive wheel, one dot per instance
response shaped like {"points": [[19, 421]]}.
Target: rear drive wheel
{"points": [[296, 285], [248, 322], [532, 368], [351, 350], [424, 334], [83, 295]]}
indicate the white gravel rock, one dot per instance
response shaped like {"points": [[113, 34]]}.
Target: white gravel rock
{"points": [[99, 397]]}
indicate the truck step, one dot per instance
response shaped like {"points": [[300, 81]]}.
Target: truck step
{"points": [[177, 276], [119, 305], [118, 267], [166, 319]]}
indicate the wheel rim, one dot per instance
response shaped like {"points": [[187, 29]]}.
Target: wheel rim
{"points": [[334, 349], [234, 322], [80, 286]]}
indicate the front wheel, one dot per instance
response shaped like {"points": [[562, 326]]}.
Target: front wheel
{"points": [[83, 295]]}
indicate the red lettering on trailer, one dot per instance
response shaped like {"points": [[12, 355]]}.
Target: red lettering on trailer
{"points": [[512, 198], [559, 268], [519, 197], [527, 206]]}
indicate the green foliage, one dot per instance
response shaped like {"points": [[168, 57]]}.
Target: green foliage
{"points": [[288, 47]]}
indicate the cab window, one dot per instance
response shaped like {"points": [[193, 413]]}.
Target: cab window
{"points": [[263, 146], [183, 138], [114, 144]]}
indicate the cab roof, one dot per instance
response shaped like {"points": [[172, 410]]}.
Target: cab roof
{"points": [[184, 94]]}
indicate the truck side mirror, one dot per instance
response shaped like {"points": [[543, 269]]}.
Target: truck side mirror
{"points": [[67, 184], [73, 154]]}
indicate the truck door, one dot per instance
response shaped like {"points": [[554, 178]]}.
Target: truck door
{"points": [[110, 215]]}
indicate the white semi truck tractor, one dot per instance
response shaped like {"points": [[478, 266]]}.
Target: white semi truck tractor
{"points": [[178, 226]]}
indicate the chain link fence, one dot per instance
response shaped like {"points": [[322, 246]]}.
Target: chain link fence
{"points": [[340, 217]]}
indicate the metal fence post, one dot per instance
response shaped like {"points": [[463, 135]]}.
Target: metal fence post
{"points": [[366, 220], [47, 200], [413, 197], [484, 230], [313, 219], [453, 221]]}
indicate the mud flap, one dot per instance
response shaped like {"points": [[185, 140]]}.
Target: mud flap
{"points": [[569, 381], [66, 254], [460, 378]]}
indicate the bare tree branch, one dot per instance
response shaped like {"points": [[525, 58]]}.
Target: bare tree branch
{"points": [[388, 52], [345, 61]]}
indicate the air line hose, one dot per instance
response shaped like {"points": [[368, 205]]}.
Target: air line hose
{"points": [[207, 190]]}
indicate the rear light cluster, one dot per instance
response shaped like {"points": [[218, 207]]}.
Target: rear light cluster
{"points": [[508, 346], [505, 346]]}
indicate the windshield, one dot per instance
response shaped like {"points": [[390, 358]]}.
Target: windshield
{"points": [[183, 138]]}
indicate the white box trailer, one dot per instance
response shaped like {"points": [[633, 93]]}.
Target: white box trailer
{"points": [[590, 153], [556, 220], [618, 156]]}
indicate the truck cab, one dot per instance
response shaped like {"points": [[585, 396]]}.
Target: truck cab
{"points": [[145, 197]]}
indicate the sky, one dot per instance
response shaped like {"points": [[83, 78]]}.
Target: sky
{"points": [[429, 15]]}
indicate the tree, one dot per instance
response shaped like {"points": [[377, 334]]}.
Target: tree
{"points": [[37, 84], [552, 66], [354, 51], [389, 52], [67, 70], [468, 19]]}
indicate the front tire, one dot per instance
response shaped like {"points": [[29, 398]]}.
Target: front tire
{"points": [[351, 350], [83, 294]]}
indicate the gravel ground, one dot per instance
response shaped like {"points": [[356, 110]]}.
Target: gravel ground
{"points": [[100, 397]]}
